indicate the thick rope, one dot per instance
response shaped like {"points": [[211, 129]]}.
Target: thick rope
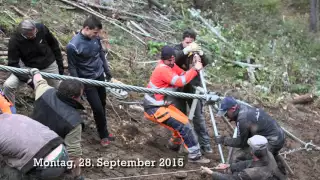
{"points": [[108, 84], [158, 174]]}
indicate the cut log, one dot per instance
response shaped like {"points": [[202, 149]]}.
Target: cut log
{"points": [[19, 12], [303, 99], [115, 10], [109, 20]]}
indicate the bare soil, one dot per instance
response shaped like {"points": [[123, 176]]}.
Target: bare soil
{"points": [[138, 138]]}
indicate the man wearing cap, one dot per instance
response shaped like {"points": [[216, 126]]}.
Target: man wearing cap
{"points": [[36, 47], [184, 53], [250, 121], [168, 76], [262, 166]]}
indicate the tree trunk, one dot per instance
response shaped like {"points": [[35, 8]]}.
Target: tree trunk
{"points": [[314, 15], [303, 99]]}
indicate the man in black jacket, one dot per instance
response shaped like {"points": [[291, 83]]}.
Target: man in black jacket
{"points": [[59, 110], [262, 166], [250, 121], [184, 53], [36, 47], [86, 59]]}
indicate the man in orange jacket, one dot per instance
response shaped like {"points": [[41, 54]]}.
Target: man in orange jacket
{"points": [[168, 76]]}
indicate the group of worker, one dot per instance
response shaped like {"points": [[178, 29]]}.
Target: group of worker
{"points": [[53, 131], [259, 137]]}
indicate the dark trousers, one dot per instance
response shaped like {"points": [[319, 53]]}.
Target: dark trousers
{"points": [[96, 96]]}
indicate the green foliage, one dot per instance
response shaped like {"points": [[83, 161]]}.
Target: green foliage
{"points": [[300, 88], [155, 47]]}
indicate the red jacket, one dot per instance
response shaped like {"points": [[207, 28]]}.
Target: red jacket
{"points": [[166, 78]]}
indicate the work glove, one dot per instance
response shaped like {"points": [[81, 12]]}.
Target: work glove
{"points": [[222, 166], [206, 170], [212, 99], [33, 71], [198, 66], [219, 139], [192, 47]]}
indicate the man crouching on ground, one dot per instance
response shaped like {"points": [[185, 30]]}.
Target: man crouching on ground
{"points": [[58, 109]]}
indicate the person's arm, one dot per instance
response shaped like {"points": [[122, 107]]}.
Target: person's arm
{"points": [[240, 141], [13, 53], [240, 166], [105, 63], [178, 70], [73, 142], [180, 57], [54, 45], [170, 77], [14, 58], [40, 84], [72, 59]]}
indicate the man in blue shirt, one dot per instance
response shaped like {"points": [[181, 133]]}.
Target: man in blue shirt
{"points": [[86, 59]]}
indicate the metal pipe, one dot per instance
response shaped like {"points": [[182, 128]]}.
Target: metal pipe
{"points": [[215, 130], [193, 107], [231, 148]]}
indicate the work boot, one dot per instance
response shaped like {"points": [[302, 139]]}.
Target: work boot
{"points": [[173, 146], [105, 142], [183, 150], [199, 159], [206, 149]]}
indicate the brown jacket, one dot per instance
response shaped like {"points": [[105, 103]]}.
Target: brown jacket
{"points": [[23, 139]]}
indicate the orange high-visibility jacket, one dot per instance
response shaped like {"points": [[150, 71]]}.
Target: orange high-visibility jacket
{"points": [[166, 78], [5, 105]]}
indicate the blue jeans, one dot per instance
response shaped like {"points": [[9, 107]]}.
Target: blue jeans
{"points": [[185, 131]]}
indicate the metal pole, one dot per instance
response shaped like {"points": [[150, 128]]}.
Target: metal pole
{"points": [[231, 148], [193, 107], [215, 130]]}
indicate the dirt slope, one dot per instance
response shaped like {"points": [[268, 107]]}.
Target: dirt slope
{"points": [[139, 138]]}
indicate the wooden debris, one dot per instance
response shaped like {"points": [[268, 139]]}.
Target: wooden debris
{"points": [[303, 99], [66, 7], [140, 28], [113, 9], [104, 18], [19, 12]]}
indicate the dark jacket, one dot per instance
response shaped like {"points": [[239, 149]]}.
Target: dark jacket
{"points": [[183, 61], [263, 169], [86, 58], [22, 139], [36, 53], [57, 112], [254, 121]]}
